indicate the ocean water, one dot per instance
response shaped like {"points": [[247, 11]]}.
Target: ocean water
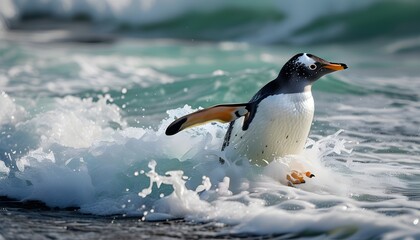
{"points": [[85, 98]]}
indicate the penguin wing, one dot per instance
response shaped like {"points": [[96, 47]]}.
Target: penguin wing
{"points": [[222, 113]]}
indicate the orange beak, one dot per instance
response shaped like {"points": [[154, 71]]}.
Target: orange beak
{"points": [[335, 66]]}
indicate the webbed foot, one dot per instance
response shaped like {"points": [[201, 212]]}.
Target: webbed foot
{"points": [[296, 177]]}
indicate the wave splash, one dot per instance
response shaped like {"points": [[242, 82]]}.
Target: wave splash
{"points": [[140, 172]]}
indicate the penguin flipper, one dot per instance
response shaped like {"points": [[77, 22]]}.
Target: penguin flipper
{"points": [[222, 113]]}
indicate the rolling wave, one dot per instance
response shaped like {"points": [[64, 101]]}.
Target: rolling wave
{"points": [[268, 22]]}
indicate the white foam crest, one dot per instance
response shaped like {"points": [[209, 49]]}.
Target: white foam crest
{"points": [[74, 122], [128, 11], [8, 13], [179, 203], [86, 72], [10, 112], [4, 170], [142, 172], [138, 12], [134, 70]]}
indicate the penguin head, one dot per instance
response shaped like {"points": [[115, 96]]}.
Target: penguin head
{"points": [[309, 68]]}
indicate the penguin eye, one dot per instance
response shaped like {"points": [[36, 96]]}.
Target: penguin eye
{"points": [[312, 67]]}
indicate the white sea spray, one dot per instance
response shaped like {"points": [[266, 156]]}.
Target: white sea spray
{"points": [[82, 151], [105, 170]]}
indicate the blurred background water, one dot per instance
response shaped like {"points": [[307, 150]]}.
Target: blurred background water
{"points": [[88, 87]]}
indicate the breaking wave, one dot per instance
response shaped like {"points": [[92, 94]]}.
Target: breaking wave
{"points": [[266, 22], [80, 153]]}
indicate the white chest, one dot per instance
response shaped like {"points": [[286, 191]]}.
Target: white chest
{"points": [[280, 127]]}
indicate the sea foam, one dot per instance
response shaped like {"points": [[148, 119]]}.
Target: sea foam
{"points": [[82, 154]]}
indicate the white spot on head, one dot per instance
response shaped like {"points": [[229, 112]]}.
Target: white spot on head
{"points": [[306, 60]]}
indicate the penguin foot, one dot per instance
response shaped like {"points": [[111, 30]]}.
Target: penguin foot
{"points": [[296, 177]]}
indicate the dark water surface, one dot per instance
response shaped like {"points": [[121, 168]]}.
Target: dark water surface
{"points": [[33, 220]]}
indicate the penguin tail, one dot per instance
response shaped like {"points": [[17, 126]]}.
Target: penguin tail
{"points": [[221, 113]]}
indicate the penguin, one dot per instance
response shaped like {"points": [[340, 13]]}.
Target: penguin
{"points": [[276, 121]]}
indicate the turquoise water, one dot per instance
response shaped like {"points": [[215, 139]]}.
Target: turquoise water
{"points": [[81, 125]]}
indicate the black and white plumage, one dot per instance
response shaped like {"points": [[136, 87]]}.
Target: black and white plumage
{"points": [[277, 119]]}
